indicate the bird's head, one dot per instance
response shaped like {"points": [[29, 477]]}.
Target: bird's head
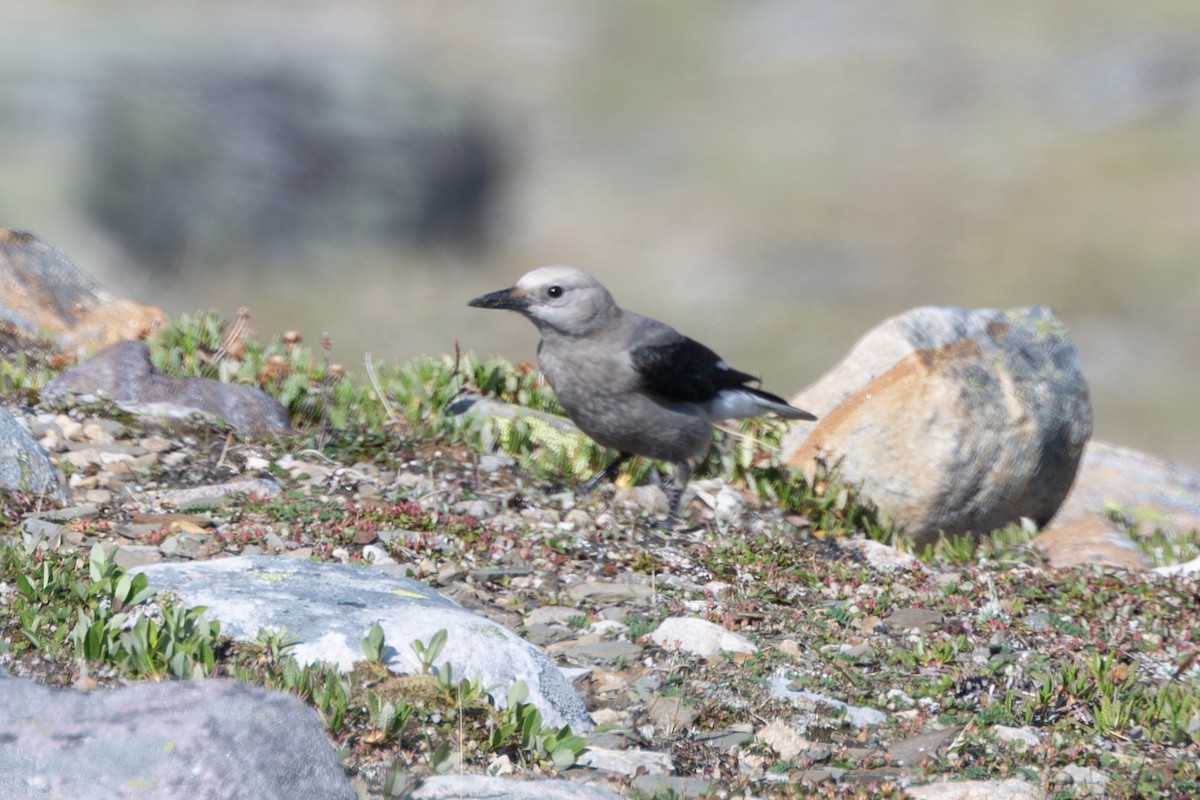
{"points": [[560, 299]]}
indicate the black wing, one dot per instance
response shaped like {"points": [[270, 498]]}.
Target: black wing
{"points": [[683, 370]]}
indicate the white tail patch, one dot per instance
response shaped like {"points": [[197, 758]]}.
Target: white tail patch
{"points": [[740, 403]]}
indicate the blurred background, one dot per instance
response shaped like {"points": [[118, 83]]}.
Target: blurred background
{"points": [[773, 177]]}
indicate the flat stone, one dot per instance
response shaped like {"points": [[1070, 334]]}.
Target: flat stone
{"points": [[680, 786], [1011, 789], [779, 687], [605, 592], [601, 652], [206, 496], [819, 775], [499, 573], [1082, 781], [193, 520], [156, 444], [882, 557], [1091, 540], [123, 373], [1024, 737], [130, 556], [107, 448], [184, 545], [627, 762], [866, 777], [44, 528], [912, 751], [728, 738], [542, 635], [552, 615], [921, 620], [670, 714], [483, 787]]}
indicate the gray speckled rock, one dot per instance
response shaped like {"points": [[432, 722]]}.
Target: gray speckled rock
{"points": [[214, 739], [331, 607], [123, 373], [24, 465]]}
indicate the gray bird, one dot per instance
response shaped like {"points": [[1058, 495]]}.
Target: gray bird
{"points": [[632, 383]]}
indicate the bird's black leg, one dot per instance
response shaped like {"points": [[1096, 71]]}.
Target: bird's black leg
{"points": [[609, 472], [674, 490]]}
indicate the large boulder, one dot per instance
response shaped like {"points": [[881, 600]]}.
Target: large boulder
{"points": [[330, 608], [952, 420], [177, 739], [124, 374], [42, 291], [24, 465]]}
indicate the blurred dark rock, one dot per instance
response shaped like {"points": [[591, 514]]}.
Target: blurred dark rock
{"points": [[203, 162], [175, 739], [1151, 493], [953, 421], [123, 373], [42, 291]]}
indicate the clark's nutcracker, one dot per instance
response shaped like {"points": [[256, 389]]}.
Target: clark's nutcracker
{"points": [[631, 383]]}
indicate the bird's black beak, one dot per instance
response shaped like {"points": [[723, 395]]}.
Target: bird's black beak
{"points": [[503, 299]]}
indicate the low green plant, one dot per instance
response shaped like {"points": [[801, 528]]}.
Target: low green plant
{"points": [[99, 611], [390, 719], [372, 645], [427, 654], [519, 734]]}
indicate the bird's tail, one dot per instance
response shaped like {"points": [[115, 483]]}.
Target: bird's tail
{"points": [[746, 401]]}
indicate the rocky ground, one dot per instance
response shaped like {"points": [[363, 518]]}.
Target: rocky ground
{"points": [[834, 664], [781, 643]]}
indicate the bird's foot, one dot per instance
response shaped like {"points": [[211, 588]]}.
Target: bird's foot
{"points": [[668, 523], [609, 473]]}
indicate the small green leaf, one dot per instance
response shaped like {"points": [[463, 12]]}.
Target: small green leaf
{"points": [[372, 645], [518, 693], [563, 756]]}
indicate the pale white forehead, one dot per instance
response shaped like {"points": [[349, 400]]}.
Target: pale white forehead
{"points": [[551, 276]]}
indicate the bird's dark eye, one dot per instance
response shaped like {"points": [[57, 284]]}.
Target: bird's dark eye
{"points": [[555, 291]]}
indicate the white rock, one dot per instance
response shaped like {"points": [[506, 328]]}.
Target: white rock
{"points": [[785, 741], [330, 608], [1186, 568], [479, 787], [627, 762], [1011, 789], [882, 557], [699, 637], [257, 463], [608, 627], [1023, 736], [377, 554], [779, 688]]}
